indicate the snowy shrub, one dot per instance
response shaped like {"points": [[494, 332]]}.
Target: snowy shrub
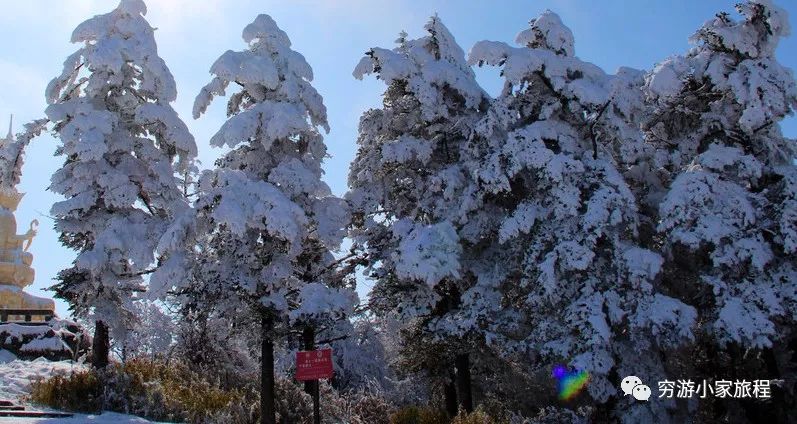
{"points": [[78, 392], [370, 405], [416, 415], [554, 415], [294, 406], [478, 416], [155, 387], [361, 361], [151, 389], [216, 348]]}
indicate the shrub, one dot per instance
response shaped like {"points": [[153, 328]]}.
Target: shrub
{"points": [[475, 417], [163, 390], [558, 415], [425, 415], [416, 415], [78, 392], [149, 388], [292, 403], [371, 407]]}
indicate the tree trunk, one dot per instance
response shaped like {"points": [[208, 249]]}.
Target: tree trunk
{"points": [[101, 345], [450, 393], [463, 382], [267, 409]]}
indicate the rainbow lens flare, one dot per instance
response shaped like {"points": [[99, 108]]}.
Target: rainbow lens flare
{"points": [[569, 383]]}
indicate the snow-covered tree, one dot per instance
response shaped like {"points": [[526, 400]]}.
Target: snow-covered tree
{"points": [[152, 333], [728, 217], [12, 152], [123, 145], [410, 191], [577, 287], [361, 359], [731, 204], [267, 223]]}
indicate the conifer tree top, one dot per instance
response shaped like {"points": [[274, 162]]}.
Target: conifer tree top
{"points": [[548, 32], [113, 39], [427, 65], [276, 99]]}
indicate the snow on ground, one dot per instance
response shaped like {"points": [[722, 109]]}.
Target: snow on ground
{"points": [[16, 375], [105, 418], [6, 356]]}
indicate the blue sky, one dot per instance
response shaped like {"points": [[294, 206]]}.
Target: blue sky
{"points": [[332, 35]]}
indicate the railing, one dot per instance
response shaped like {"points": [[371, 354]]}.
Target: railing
{"points": [[27, 315]]}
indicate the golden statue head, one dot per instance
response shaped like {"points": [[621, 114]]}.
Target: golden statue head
{"points": [[10, 198]]}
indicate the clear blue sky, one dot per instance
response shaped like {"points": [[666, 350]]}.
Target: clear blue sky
{"points": [[332, 35]]}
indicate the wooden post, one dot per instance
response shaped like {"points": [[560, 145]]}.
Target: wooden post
{"points": [[312, 387], [268, 413]]}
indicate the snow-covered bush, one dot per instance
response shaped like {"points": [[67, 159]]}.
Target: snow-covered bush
{"points": [[152, 389], [80, 391], [360, 359], [152, 333]]}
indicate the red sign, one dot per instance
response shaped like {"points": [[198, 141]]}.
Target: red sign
{"points": [[314, 364]]}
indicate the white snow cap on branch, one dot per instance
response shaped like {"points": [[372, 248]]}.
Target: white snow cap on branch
{"points": [[246, 204], [427, 64], [428, 253], [547, 31]]}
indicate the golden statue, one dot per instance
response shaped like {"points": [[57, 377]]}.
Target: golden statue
{"points": [[15, 260]]}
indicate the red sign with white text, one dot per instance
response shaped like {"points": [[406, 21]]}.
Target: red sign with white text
{"points": [[314, 364]]}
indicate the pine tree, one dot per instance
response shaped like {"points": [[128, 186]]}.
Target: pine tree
{"points": [[123, 144], [577, 285], [267, 224], [412, 196], [732, 196], [12, 152], [727, 219]]}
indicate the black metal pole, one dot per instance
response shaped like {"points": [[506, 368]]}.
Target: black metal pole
{"points": [[317, 402], [311, 386], [308, 344], [267, 406]]}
